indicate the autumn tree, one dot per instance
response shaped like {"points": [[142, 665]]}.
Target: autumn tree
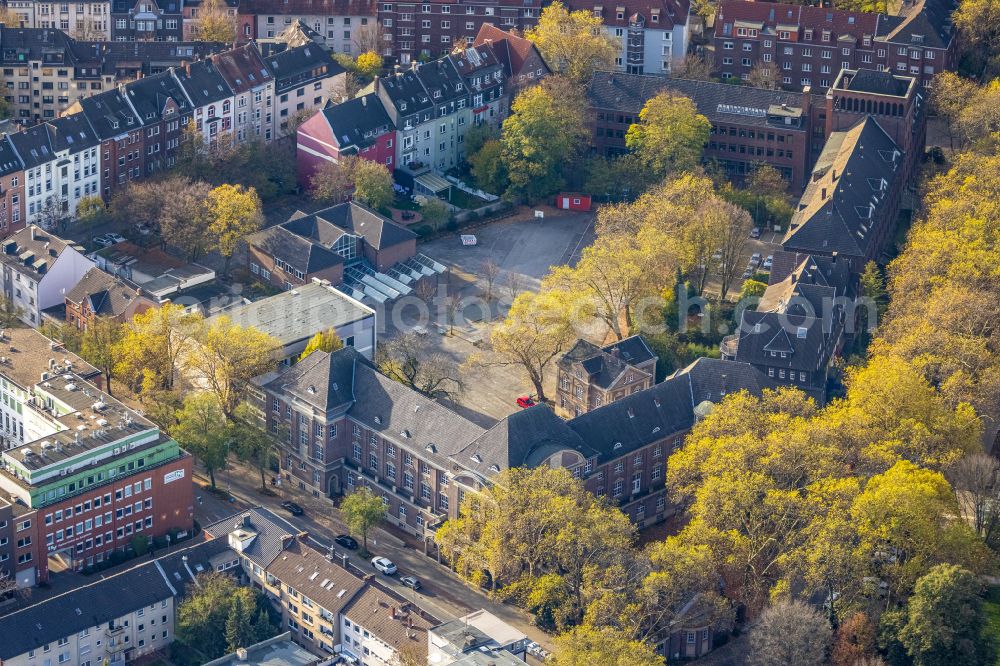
{"points": [[582, 646], [183, 219], [252, 443], [670, 135], [368, 64], [538, 328], [331, 183], [763, 75], [90, 211], [151, 346], [408, 359], [976, 479], [326, 341], [538, 531], [234, 212], [217, 616], [227, 356], [574, 44], [487, 166], [372, 183], [979, 23], [201, 429], [215, 23], [854, 641], [949, 97], [945, 621], [693, 67], [362, 510], [435, 213], [789, 633], [542, 138], [99, 345]]}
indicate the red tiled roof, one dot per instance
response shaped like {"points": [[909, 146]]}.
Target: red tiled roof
{"points": [[837, 21], [509, 47]]}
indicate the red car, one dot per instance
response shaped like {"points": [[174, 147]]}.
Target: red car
{"points": [[525, 401]]}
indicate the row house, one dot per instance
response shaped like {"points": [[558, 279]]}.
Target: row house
{"points": [[95, 472], [305, 77], [125, 616], [120, 132], [344, 426], [147, 20], [808, 46], [46, 71], [750, 126], [11, 189], [653, 34], [88, 20], [252, 87], [210, 97], [423, 30], [523, 65], [358, 127], [38, 268], [342, 26]]}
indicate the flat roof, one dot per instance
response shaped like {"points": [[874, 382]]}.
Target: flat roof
{"points": [[298, 314], [277, 651], [25, 354]]}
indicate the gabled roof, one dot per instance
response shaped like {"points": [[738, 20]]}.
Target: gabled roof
{"points": [[107, 295], [441, 80], [299, 61], [71, 133], [105, 599], [10, 162], [513, 52], [297, 251], [272, 533], [109, 114], [604, 365], [712, 379], [393, 621], [405, 91], [149, 95], [203, 83], [669, 12], [927, 24], [32, 251], [330, 586], [525, 438], [801, 339], [766, 16], [33, 145], [357, 122], [378, 231], [846, 193], [242, 68]]}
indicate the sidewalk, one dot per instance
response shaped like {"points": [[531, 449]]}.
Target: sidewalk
{"points": [[444, 595]]}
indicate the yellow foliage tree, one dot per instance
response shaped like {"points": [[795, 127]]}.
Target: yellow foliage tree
{"points": [[574, 44], [670, 135], [368, 64], [215, 23], [234, 212], [327, 341]]}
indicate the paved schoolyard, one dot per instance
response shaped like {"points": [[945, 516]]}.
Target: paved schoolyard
{"points": [[523, 247]]}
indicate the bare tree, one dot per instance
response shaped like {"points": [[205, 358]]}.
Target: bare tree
{"points": [[345, 88], [975, 480], [514, 283], [407, 359], [370, 37], [491, 270], [8, 585], [789, 633], [693, 67], [425, 290], [732, 233], [453, 305], [763, 75]]}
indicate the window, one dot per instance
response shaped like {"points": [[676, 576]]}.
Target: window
{"points": [[618, 488]]}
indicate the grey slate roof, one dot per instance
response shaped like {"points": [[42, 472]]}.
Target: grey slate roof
{"points": [[295, 65], [149, 95], [929, 21], [32, 251], [299, 252], [357, 122], [718, 102], [109, 295], [273, 532], [105, 599], [10, 162], [203, 83], [604, 365], [846, 193], [33, 145], [378, 231], [324, 380], [878, 82], [713, 379], [71, 133], [109, 114]]}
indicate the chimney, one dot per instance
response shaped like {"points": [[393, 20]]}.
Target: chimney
{"points": [[806, 100], [795, 278], [822, 194], [241, 654], [393, 609], [187, 68], [833, 257], [286, 541]]}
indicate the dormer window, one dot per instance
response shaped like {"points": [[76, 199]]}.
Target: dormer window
{"points": [[402, 106]]}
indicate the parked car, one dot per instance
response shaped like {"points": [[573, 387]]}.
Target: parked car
{"points": [[107, 240], [346, 541], [292, 508], [755, 258], [755, 232], [525, 401], [384, 565], [411, 582], [747, 273], [768, 262], [537, 650]]}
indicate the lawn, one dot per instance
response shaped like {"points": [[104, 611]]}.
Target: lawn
{"points": [[992, 607]]}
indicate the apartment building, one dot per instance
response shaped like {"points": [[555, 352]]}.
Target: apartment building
{"points": [[164, 109], [87, 20], [147, 20], [653, 34], [305, 77], [808, 46], [38, 268], [211, 98], [377, 626], [11, 189], [340, 25], [423, 30], [113, 620], [252, 87], [95, 472], [588, 376], [119, 130], [522, 63]]}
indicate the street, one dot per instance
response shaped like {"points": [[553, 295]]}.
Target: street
{"points": [[444, 594]]}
